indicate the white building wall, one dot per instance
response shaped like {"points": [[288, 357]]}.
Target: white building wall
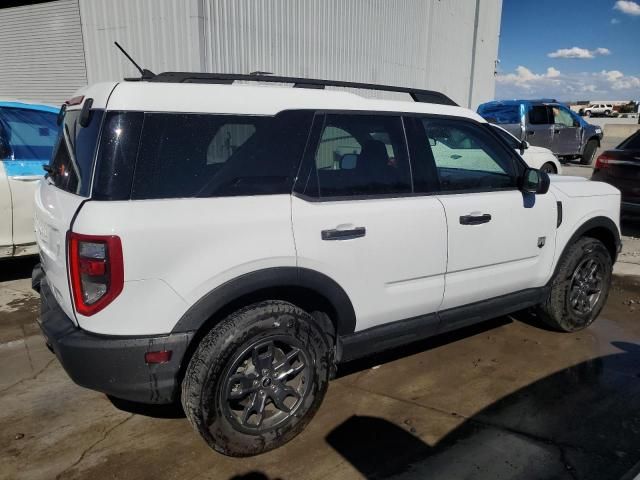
{"points": [[418, 43]]}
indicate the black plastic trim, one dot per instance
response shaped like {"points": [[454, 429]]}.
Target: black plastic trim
{"points": [[418, 95], [402, 332], [109, 364], [559, 211], [277, 277]]}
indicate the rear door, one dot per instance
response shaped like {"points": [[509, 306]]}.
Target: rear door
{"points": [[357, 219], [539, 129], [30, 135], [61, 194], [566, 132]]}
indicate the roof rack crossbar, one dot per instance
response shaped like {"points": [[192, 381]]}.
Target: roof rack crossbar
{"points": [[418, 95]]}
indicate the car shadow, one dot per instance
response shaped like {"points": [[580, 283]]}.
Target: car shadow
{"points": [[17, 268], [581, 422]]}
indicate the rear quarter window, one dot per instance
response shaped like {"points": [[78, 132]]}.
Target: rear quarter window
{"points": [[203, 155]]}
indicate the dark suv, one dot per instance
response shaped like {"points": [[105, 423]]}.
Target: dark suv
{"points": [[546, 123]]}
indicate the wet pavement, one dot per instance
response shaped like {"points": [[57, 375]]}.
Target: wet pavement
{"points": [[506, 399]]}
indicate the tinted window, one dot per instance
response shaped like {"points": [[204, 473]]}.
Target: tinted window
{"points": [[117, 155], [72, 162], [507, 137], [29, 134], [631, 143], [467, 157], [540, 115], [360, 155], [500, 114], [201, 155]]}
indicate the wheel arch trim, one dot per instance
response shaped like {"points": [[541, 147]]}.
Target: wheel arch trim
{"points": [[269, 278]]}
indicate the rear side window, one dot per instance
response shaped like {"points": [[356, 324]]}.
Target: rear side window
{"points": [[540, 115], [500, 114], [72, 162], [360, 155], [202, 155], [28, 134]]}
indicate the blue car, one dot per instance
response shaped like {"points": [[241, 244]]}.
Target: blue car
{"points": [[28, 135]]}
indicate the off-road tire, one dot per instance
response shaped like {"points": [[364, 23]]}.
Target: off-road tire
{"points": [[556, 311], [589, 152], [210, 363]]}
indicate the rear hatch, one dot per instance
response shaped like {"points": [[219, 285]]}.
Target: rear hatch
{"points": [[61, 194]]}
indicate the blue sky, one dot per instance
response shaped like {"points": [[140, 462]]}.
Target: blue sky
{"points": [[569, 49]]}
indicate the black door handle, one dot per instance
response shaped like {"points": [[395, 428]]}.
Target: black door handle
{"points": [[475, 219], [343, 234], [556, 130], [531, 132]]}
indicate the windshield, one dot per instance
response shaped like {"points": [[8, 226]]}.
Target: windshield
{"points": [[72, 163], [29, 134]]}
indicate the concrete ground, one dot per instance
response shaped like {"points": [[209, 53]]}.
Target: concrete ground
{"points": [[506, 399]]}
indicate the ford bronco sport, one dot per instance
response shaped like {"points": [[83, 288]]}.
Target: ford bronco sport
{"points": [[227, 245]]}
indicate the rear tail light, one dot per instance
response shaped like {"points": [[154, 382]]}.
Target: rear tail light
{"points": [[96, 270], [602, 162]]}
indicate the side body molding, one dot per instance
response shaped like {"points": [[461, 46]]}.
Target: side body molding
{"points": [[300, 281]]}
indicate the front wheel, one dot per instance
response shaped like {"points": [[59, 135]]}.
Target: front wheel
{"points": [[256, 379], [548, 168], [589, 152], [579, 288]]}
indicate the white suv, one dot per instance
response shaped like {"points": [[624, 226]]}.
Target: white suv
{"points": [[228, 245], [596, 109]]}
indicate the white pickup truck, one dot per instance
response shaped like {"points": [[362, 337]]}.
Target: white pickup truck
{"points": [[28, 133]]}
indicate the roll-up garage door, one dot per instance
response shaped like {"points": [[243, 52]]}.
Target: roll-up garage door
{"points": [[41, 52]]}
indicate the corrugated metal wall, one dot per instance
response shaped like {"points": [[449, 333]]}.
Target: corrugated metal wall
{"points": [[41, 51], [447, 45], [160, 35]]}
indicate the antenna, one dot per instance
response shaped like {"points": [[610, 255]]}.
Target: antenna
{"points": [[144, 73]]}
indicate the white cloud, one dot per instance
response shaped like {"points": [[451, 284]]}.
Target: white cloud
{"points": [[525, 83], [628, 7], [615, 21], [577, 52]]}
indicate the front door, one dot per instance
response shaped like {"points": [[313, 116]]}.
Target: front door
{"points": [[356, 220], [499, 239], [566, 132]]}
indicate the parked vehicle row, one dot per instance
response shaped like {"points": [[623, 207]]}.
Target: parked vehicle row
{"points": [[28, 133], [228, 245], [621, 168], [548, 124]]}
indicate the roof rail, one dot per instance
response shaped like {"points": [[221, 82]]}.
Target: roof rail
{"points": [[418, 95]]}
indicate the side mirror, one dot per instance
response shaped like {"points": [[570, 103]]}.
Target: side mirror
{"points": [[523, 146], [348, 161], [534, 181]]}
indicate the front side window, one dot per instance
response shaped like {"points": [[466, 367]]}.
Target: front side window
{"points": [[507, 137], [360, 155], [27, 134], [204, 155], [467, 157], [562, 116]]}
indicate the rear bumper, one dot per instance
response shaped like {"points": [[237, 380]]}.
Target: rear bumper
{"points": [[112, 365]]}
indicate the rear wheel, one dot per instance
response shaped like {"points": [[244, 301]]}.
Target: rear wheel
{"points": [[548, 168], [257, 378], [580, 287], [589, 152], [588, 113]]}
